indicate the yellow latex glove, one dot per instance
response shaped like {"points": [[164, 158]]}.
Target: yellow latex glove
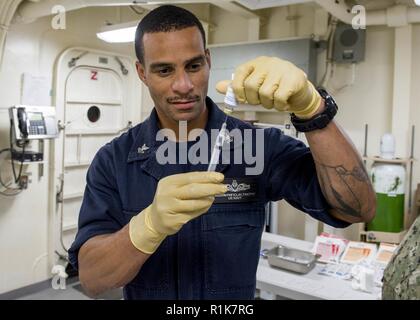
{"points": [[178, 199], [273, 82]]}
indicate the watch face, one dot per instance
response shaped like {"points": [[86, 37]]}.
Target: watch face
{"points": [[324, 94]]}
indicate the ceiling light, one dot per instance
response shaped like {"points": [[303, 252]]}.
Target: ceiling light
{"points": [[118, 33]]}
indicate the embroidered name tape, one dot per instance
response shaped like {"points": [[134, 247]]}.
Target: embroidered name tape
{"points": [[239, 190]]}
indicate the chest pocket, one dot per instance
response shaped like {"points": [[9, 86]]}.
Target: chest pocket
{"points": [[231, 240], [154, 274]]}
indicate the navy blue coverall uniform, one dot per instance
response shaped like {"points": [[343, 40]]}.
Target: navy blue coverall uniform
{"points": [[214, 256]]}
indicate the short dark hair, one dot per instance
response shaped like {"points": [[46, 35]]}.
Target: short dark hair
{"points": [[166, 18]]}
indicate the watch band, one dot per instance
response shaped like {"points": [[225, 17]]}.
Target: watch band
{"points": [[318, 121]]}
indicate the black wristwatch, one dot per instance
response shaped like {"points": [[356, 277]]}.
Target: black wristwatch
{"points": [[318, 121]]}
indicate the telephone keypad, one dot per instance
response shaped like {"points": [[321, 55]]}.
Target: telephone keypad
{"points": [[37, 127]]}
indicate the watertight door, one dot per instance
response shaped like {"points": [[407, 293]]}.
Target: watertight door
{"points": [[93, 116]]}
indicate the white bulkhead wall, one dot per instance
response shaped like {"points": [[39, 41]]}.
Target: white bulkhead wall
{"points": [[25, 220], [34, 48]]}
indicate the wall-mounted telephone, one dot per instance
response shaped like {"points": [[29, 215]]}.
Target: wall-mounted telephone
{"points": [[29, 122]]}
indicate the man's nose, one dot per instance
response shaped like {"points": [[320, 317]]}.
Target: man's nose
{"points": [[182, 83]]}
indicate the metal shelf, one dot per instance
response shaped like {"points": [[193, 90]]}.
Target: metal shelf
{"points": [[391, 237], [248, 108], [379, 236], [392, 161]]}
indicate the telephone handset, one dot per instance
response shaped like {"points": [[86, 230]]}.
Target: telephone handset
{"points": [[30, 122], [22, 120]]}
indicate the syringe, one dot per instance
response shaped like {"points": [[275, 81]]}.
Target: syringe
{"points": [[215, 154], [230, 104]]}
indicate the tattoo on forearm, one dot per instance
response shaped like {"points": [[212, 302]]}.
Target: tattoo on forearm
{"points": [[357, 172], [346, 190]]}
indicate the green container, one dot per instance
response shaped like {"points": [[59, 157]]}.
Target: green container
{"points": [[388, 181], [389, 213]]}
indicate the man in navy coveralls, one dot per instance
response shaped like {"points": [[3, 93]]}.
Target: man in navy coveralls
{"points": [[176, 231]]}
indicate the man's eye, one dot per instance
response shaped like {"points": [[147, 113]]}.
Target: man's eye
{"points": [[164, 72], [194, 67]]}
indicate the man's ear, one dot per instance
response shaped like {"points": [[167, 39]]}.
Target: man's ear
{"points": [[208, 58], [141, 72]]}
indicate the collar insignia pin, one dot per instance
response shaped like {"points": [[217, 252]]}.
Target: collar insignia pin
{"points": [[143, 148]]}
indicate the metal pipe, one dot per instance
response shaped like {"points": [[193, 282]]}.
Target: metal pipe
{"points": [[7, 10], [366, 142], [411, 168], [338, 9], [30, 11]]}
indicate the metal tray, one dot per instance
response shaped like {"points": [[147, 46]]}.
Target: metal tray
{"points": [[290, 259]]}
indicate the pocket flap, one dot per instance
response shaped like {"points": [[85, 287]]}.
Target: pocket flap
{"points": [[234, 216]]}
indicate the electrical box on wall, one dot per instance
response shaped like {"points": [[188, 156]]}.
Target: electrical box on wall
{"points": [[349, 44]]}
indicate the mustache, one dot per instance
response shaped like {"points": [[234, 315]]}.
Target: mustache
{"points": [[187, 98]]}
